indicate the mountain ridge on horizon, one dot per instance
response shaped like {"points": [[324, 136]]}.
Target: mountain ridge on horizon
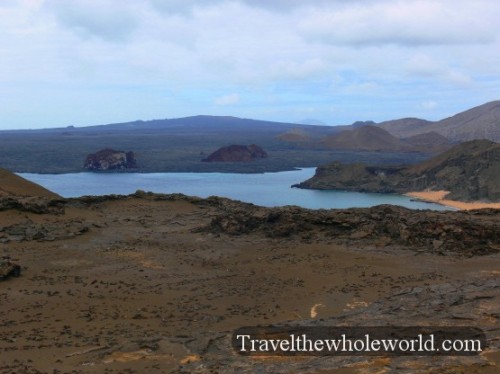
{"points": [[399, 127], [174, 145], [479, 122], [158, 121]]}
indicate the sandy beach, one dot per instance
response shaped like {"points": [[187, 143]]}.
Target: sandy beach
{"points": [[439, 198]]}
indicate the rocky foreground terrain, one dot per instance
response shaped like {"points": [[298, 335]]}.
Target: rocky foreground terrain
{"points": [[152, 283]]}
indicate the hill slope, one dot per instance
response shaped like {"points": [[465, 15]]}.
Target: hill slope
{"points": [[366, 138], [481, 122], [13, 185], [430, 142], [405, 127], [236, 153], [470, 171]]}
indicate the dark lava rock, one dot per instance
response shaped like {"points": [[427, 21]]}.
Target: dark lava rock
{"points": [[470, 303], [236, 153], [39, 205], [109, 159], [462, 233]]}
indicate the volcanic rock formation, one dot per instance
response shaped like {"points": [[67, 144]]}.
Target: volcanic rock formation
{"points": [[109, 159], [237, 153], [470, 171], [481, 122], [367, 138]]}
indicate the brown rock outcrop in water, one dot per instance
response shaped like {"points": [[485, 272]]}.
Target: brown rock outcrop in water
{"points": [[236, 153], [109, 159]]}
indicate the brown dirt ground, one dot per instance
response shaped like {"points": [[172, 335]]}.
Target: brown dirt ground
{"points": [[100, 302]]}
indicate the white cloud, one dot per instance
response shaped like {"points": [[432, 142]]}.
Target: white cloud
{"points": [[429, 104], [230, 99], [363, 88], [290, 69], [406, 23], [307, 53], [423, 65], [102, 19], [459, 78], [427, 67]]}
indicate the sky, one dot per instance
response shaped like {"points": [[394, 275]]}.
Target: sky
{"points": [[87, 62]]}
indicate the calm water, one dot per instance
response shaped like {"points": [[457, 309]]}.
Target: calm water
{"points": [[268, 189]]}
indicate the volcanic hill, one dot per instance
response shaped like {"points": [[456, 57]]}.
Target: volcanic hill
{"points": [[237, 153], [13, 185], [481, 122], [469, 171], [367, 138]]}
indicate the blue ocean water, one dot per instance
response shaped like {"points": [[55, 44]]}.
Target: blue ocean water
{"points": [[267, 189]]}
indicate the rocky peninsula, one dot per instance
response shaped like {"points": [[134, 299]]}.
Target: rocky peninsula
{"points": [[469, 172]]}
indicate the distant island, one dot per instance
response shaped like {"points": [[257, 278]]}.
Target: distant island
{"points": [[236, 153], [180, 144], [109, 159]]}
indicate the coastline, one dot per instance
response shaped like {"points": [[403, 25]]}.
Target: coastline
{"points": [[438, 197]]}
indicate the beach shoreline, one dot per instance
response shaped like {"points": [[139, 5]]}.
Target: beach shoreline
{"points": [[438, 197]]}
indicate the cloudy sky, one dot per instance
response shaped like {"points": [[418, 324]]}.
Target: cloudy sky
{"points": [[85, 62]]}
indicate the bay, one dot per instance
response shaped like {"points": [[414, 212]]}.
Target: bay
{"points": [[266, 189]]}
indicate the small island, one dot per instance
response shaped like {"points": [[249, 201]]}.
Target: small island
{"points": [[237, 153], [109, 159]]}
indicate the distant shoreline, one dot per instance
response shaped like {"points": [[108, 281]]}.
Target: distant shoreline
{"points": [[438, 197]]}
